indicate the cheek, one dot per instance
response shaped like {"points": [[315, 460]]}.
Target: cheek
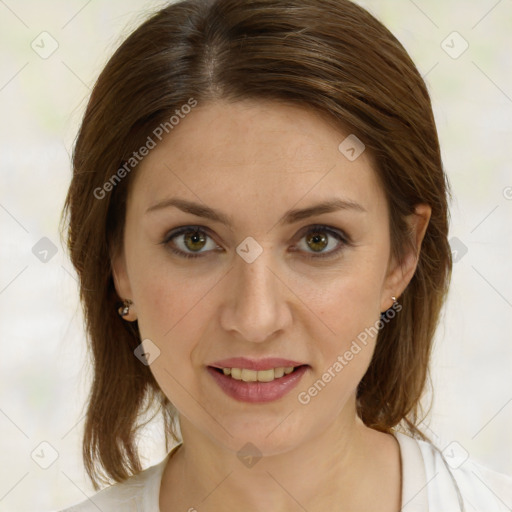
{"points": [[345, 341], [349, 301], [351, 346], [173, 311], [172, 315], [347, 308], [170, 306]]}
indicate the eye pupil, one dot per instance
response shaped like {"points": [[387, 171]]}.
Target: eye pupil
{"points": [[195, 237], [318, 238]]}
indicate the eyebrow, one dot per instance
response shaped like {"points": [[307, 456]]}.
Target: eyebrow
{"points": [[290, 217]]}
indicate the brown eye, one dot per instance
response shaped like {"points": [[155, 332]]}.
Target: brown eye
{"points": [[320, 242], [188, 240], [317, 241], [194, 240], [323, 242]]}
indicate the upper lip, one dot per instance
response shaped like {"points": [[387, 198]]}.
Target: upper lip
{"points": [[255, 364]]}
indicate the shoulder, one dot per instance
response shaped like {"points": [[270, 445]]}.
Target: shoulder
{"points": [[138, 493], [452, 472]]}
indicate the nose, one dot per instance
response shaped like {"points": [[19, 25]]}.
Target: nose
{"points": [[256, 307]]}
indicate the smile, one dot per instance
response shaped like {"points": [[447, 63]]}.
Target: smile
{"points": [[256, 386]]}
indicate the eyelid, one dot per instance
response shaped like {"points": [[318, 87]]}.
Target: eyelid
{"points": [[173, 233], [339, 234], [335, 232]]}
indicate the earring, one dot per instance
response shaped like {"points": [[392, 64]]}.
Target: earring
{"points": [[124, 310], [384, 314]]}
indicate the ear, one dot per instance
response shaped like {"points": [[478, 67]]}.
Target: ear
{"points": [[121, 279], [399, 275]]}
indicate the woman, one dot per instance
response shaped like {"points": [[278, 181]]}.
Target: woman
{"points": [[258, 217]]}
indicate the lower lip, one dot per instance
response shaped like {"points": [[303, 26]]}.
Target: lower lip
{"points": [[257, 391]]}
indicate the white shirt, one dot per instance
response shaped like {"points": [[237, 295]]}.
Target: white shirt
{"points": [[428, 485]]}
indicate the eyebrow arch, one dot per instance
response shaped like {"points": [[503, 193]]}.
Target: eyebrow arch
{"points": [[290, 217]]}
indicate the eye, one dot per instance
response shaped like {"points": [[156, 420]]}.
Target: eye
{"points": [[191, 240], [318, 238]]}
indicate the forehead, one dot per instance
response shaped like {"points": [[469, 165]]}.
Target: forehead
{"points": [[255, 153]]}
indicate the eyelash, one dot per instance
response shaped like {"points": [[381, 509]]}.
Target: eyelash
{"points": [[317, 228]]}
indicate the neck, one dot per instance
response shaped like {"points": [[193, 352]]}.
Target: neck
{"points": [[349, 465]]}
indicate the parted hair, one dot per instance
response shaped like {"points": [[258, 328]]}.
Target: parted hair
{"points": [[331, 56]]}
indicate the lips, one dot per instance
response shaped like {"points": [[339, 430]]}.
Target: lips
{"points": [[257, 392]]}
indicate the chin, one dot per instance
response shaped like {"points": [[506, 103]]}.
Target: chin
{"points": [[265, 437]]}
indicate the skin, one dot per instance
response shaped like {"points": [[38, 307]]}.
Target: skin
{"points": [[254, 161]]}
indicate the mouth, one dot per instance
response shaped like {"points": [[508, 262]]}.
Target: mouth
{"points": [[269, 382]]}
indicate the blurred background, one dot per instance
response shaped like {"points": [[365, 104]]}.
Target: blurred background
{"points": [[51, 54]]}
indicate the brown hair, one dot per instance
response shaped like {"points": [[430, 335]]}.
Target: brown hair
{"points": [[328, 55]]}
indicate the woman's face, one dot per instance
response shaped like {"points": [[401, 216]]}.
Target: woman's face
{"points": [[270, 276]]}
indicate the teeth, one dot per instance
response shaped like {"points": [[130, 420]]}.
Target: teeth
{"points": [[278, 372], [257, 376]]}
